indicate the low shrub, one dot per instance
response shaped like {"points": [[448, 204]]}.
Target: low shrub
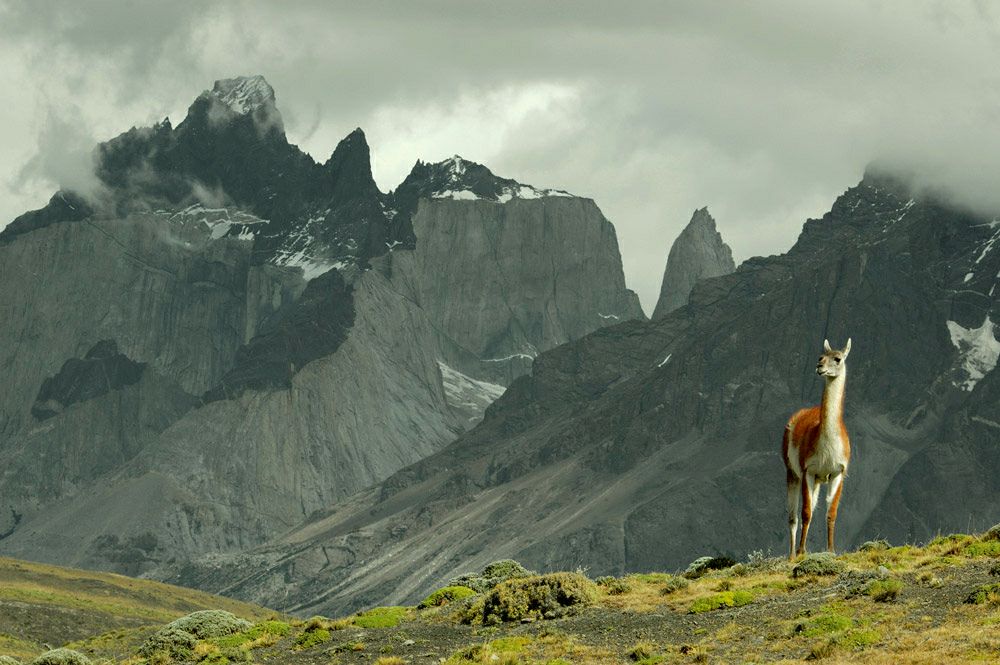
{"points": [[642, 651], [874, 546], [178, 637], [210, 623], [61, 657], [821, 563], [381, 617], [987, 593], [993, 533], [492, 575], [883, 591], [984, 548], [312, 636], [929, 579], [260, 634], [169, 640], [446, 595], [539, 597], [720, 600], [826, 621], [615, 586], [702, 565], [7, 660], [674, 583]]}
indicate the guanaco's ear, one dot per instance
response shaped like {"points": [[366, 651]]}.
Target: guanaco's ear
{"points": [[826, 345], [847, 349]]}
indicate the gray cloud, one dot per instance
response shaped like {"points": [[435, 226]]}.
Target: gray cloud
{"points": [[763, 111]]}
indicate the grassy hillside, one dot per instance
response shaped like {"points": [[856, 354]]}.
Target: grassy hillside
{"points": [[42, 604], [939, 603]]}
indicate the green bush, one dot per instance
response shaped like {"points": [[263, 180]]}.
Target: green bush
{"points": [[993, 533], [492, 575], [61, 657], [719, 600], [173, 641], [702, 565], [210, 623], [7, 660], [883, 591], [821, 563], [178, 637], [827, 621], [316, 631], [674, 583], [542, 596], [614, 585], [446, 595], [874, 546], [642, 651], [381, 617], [987, 593], [277, 629]]}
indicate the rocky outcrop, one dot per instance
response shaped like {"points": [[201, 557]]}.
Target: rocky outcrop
{"points": [[698, 253], [221, 345], [645, 445]]}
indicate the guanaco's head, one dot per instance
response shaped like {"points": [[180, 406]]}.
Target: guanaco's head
{"points": [[831, 363]]}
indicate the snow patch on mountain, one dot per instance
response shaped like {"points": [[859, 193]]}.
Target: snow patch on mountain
{"points": [[219, 220], [458, 188], [244, 94], [459, 195], [467, 394], [978, 350]]}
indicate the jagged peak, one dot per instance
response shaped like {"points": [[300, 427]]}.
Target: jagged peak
{"points": [[244, 94], [701, 217], [353, 149], [463, 179], [698, 252]]}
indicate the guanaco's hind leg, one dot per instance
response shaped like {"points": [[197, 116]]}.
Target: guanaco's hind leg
{"points": [[793, 510], [810, 491], [832, 502]]}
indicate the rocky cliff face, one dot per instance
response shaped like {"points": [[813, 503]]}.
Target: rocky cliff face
{"points": [[229, 336], [698, 253], [645, 445]]}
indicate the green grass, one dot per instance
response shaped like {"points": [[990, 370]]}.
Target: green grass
{"points": [[883, 591], [982, 548], [720, 600], [831, 619], [311, 637], [381, 617], [277, 629], [18, 648], [446, 595], [650, 578]]}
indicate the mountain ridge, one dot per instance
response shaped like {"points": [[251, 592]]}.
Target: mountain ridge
{"points": [[605, 456]]}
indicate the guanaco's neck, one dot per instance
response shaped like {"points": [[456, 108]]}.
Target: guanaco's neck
{"points": [[832, 408]]}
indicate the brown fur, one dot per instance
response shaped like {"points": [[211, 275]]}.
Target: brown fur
{"points": [[805, 428]]}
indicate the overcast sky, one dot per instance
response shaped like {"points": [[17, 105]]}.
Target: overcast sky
{"points": [[763, 111]]}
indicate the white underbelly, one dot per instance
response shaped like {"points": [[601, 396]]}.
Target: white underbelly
{"points": [[828, 461]]}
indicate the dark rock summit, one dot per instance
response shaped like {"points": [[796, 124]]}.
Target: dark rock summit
{"points": [[698, 253]]}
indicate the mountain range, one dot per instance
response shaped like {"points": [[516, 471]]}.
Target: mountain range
{"points": [[227, 336], [234, 368]]}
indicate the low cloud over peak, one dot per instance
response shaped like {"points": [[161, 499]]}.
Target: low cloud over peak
{"points": [[763, 111]]}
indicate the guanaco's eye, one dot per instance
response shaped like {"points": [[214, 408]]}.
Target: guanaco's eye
{"points": [[837, 359]]}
